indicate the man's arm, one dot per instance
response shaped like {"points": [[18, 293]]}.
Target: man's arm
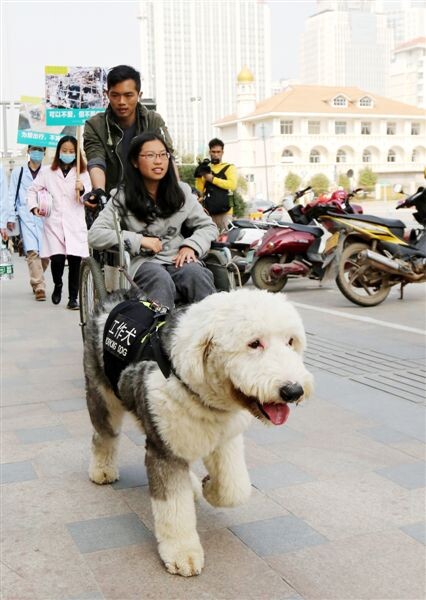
{"points": [[96, 156], [97, 177], [230, 183]]}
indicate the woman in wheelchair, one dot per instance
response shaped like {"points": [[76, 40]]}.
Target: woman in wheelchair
{"points": [[155, 210]]}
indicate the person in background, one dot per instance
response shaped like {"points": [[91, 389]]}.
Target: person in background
{"points": [[154, 209], [4, 205], [65, 232], [30, 225], [107, 135], [217, 185]]}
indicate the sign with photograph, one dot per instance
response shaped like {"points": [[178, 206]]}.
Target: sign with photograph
{"points": [[74, 94], [32, 128]]}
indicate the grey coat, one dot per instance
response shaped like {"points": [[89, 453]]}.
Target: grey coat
{"points": [[102, 234]]}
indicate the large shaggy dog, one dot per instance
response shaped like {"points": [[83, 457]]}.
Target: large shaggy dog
{"points": [[234, 356]]}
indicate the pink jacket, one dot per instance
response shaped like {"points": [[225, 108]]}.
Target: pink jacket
{"points": [[65, 230]]}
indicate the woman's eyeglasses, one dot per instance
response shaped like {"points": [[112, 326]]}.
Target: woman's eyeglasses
{"points": [[151, 156]]}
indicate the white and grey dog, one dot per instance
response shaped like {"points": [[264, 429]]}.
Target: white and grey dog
{"points": [[234, 356]]}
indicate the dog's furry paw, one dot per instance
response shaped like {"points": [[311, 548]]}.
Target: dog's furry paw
{"points": [[102, 475], [184, 558], [228, 497]]}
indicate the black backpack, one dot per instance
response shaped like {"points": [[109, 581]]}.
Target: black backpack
{"points": [[217, 200]]}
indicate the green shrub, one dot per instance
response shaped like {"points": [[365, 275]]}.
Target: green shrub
{"points": [[319, 183], [344, 182], [292, 182], [367, 179]]}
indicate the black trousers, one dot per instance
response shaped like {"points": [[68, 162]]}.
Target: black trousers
{"points": [[57, 264]]}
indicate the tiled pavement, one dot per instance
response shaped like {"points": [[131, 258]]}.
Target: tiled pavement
{"points": [[337, 509]]}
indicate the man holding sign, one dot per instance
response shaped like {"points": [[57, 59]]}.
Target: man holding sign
{"points": [[107, 135]]}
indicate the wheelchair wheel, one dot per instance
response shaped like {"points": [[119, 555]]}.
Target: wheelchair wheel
{"points": [[91, 288], [225, 279]]}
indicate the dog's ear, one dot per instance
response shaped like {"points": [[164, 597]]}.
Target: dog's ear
{"points": [[199, 360]]}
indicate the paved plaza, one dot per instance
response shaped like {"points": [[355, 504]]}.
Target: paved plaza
{"points": [[338, 501]]}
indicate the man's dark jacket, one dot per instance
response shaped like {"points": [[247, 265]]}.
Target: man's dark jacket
{"points": [[102, 140]]}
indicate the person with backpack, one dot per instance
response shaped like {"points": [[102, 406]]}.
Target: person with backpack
{"points": [[216, 183], [30, 225]]}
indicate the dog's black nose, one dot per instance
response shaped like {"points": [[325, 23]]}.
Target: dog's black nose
{"points": [[290, 392]]}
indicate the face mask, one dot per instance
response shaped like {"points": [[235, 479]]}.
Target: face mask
{"points": [[67, 158], [36, 156]]}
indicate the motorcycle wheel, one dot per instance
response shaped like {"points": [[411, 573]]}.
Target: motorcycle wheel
{"points": [[361, 285], [261, 277]]}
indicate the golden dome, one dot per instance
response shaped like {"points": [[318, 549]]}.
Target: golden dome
{"points": [[245, 75]]}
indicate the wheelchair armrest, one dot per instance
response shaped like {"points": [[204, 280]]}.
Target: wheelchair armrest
{"points": [[219, 245]]}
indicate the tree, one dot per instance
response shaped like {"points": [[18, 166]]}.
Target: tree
{"points": [[319, 183], [186, 173], [344, 182], [367, 179], [292, 182]]}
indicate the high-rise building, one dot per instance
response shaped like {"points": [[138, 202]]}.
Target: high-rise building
{"points": [[408, 72], [349, 44], [190, 52]]}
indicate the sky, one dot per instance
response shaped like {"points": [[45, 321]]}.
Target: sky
{"points": [[36, 33]]}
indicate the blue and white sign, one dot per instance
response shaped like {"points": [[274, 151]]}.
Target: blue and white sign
{"points": [[74, 94]]}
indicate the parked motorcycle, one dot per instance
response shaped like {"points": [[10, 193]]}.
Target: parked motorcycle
{"points": [[243, 233], [303, 248], [375, 256]]}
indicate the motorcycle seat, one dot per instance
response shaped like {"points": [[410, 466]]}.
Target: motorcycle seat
{"points": [[248, 224], [391, 223], [315, 231]]}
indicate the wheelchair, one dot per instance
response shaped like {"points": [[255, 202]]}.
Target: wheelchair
{"points": [[106, 271]]}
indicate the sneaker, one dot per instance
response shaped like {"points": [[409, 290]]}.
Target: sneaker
{"points": [[40, 295], [57, 294], [73, 305]]}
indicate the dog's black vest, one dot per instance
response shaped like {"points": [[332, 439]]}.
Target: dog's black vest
{"points": [[131, 335]]}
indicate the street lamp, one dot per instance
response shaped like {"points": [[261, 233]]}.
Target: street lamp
{"points": [[194, 100]]}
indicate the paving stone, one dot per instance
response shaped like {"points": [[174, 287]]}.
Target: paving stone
{"points": [[136, 436], [350, 506], [67, 405], [410, 476], [108, 532], [385, 566], [131, 476], [385, 435], [269, 477], [232, 572], [16, 472], [278, 535], [417, 531], [49, 560], [42, 434]]}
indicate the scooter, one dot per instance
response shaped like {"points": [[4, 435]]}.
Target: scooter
{"points": [[243, 233], [378, 253], [303, 248]]}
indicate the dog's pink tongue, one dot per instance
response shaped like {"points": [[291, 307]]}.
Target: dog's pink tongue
{"points": [[278, 413]]}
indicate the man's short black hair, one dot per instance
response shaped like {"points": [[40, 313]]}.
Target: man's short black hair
{"points": [[121, 73], [216, 142]]}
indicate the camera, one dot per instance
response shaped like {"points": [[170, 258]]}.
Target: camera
{"points": [[203, 168]]}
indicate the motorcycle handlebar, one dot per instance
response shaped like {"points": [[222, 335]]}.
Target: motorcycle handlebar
{"points": [[302, 192]]}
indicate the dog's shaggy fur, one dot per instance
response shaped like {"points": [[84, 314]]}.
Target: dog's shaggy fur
{"points": [[236, 356]]}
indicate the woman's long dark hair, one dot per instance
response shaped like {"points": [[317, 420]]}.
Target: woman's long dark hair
{"points": [[56, 163], [170, 198]]}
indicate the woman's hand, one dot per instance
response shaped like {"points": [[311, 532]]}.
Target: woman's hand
{"points": [[4, 234], [185, 255], [152, 243], [79, 186]]}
